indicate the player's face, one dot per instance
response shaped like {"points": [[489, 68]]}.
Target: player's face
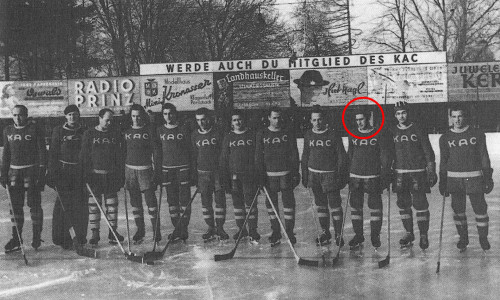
{"points": [[458, 119], [72, 118], [136, 117], [169, 116], [19, 117], [361, 121], [275, 119], [203, 122], [402, 116], [237, 122], [317, 121], [105, 121]]}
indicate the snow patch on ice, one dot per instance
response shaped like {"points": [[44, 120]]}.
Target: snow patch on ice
{"points": [[279, 291], [205, 259]]}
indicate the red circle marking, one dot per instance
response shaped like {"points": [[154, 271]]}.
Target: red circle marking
{"points": [[381, 125]]}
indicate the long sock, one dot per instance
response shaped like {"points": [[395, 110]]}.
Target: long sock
{"points": [[220, 215], [174, 214], [138, 213], [407, 219], [208, 215], [375, 221], [112, 211], [337, 214], [94, 214], [482, 224], [253, 217], [357, 220], [423, 221], [289, 219], [323, 217], [239, 216], [461, 223]]}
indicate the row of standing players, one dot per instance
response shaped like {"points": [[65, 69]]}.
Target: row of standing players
{"points": [[239, 162]]}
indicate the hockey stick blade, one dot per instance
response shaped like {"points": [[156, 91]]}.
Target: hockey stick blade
{"points": [[307, 262], [385, 262], [139, 259], [221, 257], [153, 255]]}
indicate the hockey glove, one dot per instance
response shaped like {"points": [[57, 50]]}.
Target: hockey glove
{"points": [[488, 180], [443, 184], [295, 179], [431, 174], [41, 178], [305, 178], [385, 179], [342, 180]]}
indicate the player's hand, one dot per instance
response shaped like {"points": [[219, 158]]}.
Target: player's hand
{"points": [[431, 174], [488, 180], [4, 181], [443, 189]]}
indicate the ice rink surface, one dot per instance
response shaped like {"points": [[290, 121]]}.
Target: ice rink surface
{"points": [[188, 271]]}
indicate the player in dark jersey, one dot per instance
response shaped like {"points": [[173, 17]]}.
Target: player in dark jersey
{"points": [[101, 157], [415, 167], [63, 175], [206, 143], [23, 170], [172, 165], [370, 163], [237, 165], [277, 163], [465, 169], [139, 174], [325, 170]]}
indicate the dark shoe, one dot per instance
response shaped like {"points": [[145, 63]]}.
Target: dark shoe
{"points": [[94, 240], [356, 242], [112, 239], [209, 235], [407, 240], [485, 244], [244, 234], [375, 239], [275, 238], [324, 238], [254, 235], [424, 241], [222, 234]]}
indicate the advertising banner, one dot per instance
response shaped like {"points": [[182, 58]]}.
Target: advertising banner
{"points": [[94, 94], [252, 89], [328, 87], [474, 81], [42, 98], [424, 83], [186, 92]]}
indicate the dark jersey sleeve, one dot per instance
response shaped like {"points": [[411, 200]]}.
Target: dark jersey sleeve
{"points": [[194, 153], [84, 156], [5, 155], [54, 150], [386, 150], [157, 150], [294, 151], [304, 162], [259, 154], [426, 147], [445, 153], [343, 159], [483, 151], [42, 149]]}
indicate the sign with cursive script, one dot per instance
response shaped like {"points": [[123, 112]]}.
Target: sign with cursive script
{"points": [[186, 92], [328, 87], [93, 94], [474, 81], [424, 83], [42, 98], [252, 89]]}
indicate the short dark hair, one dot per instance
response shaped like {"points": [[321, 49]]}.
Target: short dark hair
{"points": [[273, 109], [137, 107], [238, 112], [365, 112], [24, 109], [317, 110], [169, 106], [202, 111], [103, 111], [461, 108]]}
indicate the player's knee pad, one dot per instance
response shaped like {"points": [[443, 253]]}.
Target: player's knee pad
{"points": [[420, 201], [374, 201], [355, 184], [398, 185], [184, 176], [205, 183]]}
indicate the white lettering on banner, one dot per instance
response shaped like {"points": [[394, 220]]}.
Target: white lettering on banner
{"points": [[235, 65], [104, 92], [187, 67]]}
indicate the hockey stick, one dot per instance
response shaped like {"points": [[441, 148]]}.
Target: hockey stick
{"points": [[441, 236], [129, 256], [314, 216], [158, 255], [126, 217], [157, 222], [79, 249], [387, 260], [219, 257], [300, 261], [336, 258], [15, 224]]}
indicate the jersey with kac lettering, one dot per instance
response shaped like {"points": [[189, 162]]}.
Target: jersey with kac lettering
{"points": [[413, 151], [206, 149], [139, 146]]}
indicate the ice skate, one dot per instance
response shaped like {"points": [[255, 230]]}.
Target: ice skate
{"points": [[356, 243], [254, 236], [375, 239], [94, 240], [13, 245], [275, 238], [424, 242], [462, 243], [339, 241], [407, 240], [485, 244], [209, 235], [324, 238], [37, 239], [222, 234], [138, 237], [292, 237], [174, 236], [112, 239], [244, 234]]}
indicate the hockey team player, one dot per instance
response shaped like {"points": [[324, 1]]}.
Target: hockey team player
{"points": [[172, 166], [139, 173], [415, 167], [206, 143], [465, 169], [63, 175], [369, 173], [237, 165], [277, 163], [101, 157], [325, 170], [23, 170]]}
